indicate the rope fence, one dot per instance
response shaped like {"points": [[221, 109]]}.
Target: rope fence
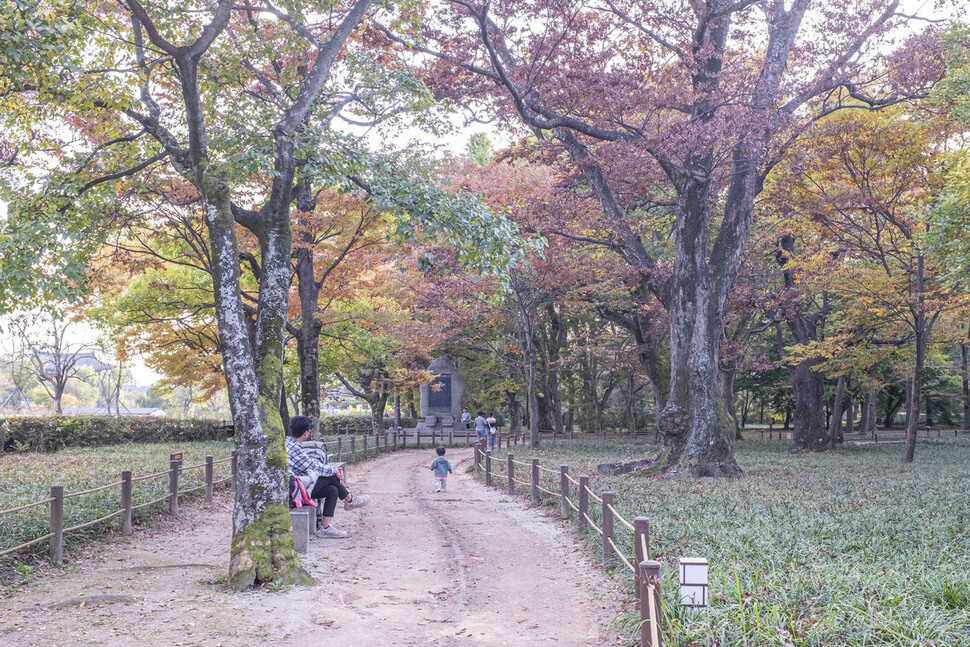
{"points": [[55, 537], [92, 490], [646, 580]]}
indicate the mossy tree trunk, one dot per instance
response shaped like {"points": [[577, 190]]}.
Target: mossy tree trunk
{"points": [[262, 543]]}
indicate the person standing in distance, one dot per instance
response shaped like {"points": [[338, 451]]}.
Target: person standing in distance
{"points": [[480, 426]]}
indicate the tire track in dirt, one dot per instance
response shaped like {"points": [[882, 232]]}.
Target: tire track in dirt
{"points": [[470, 566]]}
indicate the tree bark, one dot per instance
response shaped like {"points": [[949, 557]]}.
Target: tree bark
{"points": [[557, 340], [526, 311], [870, 427], [308, 336], [377, 406], [864, 413], [808, 385], [695, 427], [262, 543], [922, 329], [631, 416], [836, 420], [964, 352], [515, 413], [726, 384]]}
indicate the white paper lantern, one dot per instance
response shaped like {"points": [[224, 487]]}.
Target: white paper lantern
{"points": [[693, 581]]}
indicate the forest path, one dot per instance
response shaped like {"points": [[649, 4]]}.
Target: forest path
{"points": [[470, 566]]}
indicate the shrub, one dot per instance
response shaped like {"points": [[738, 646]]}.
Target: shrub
{"points": [[333, 425], [51, 433]]}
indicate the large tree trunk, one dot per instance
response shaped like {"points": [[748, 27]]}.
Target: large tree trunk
{"points": [[284, 409], [308, 337], [533, 403], [262, 542], [631, 400], [808, 386], [377, 405], [870, 427], [836, 420], [864, 413], [557, 340], [694, 424], [526, 313], [913, 406], [726, 384]]}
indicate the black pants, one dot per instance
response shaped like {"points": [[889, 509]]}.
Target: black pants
{"points": [[329, 489]]}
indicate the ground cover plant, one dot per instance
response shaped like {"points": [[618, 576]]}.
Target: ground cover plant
{"points": [[27, 477], [846, 548]]}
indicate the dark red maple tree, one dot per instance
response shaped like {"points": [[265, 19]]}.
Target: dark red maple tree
{"points": [[692, 99]]}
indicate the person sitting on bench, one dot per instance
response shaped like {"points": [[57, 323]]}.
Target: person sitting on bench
{"points": [[329, 484]]}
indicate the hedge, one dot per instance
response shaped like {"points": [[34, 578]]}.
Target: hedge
{"points": [[50, 433], [332, 425]]}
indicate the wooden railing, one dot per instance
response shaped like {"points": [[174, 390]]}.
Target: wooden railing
{"points": [[559, 484], [56, 501]]}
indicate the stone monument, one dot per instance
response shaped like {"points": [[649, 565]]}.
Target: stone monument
{"points": [[441, 399]]}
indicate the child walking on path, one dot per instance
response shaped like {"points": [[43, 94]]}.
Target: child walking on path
{"points": [[441, 468]]}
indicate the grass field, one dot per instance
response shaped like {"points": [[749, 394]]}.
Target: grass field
{"points": [[850, 548], [27, 477]]}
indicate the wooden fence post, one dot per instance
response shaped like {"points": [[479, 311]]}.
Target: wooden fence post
{"points": [[641, 548], [451, 438], [365, 445], [607, 527], [340, 448], [650, 634], [208, 479], [583, 504], [511, 471], [564, 490], [535, 480], [173, 487], [57, 524], [353, 447], [233, 463], [125, 503], [477, 459], [488, 467]]}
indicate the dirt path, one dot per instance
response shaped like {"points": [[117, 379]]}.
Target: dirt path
{"points": [[467, 567]]}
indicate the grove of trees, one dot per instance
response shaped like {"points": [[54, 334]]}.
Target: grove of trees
{"points": [[705, 212]]}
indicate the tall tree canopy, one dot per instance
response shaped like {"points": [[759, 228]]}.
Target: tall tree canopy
{"points": [[237, 102], [689, 103]]}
